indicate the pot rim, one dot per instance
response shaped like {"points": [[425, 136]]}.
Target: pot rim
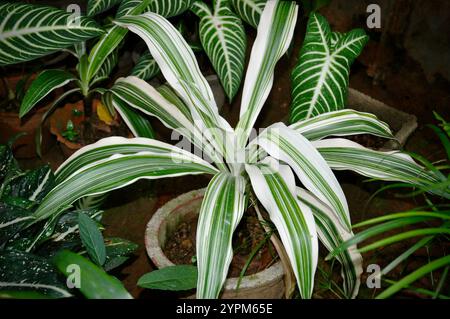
{"points": [[154, 251]]}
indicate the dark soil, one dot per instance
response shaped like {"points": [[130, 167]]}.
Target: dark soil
{"points": [[180, 248], [370, 141]]}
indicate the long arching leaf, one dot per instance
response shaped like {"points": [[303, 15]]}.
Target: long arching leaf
{"points": [[30, 31]]}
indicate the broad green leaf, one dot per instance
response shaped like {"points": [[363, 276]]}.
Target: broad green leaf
{"points": [[320, 78], [146, 67], [289, 146], [274, 185], [95, 7], [135, 120], [342, 123], [92, 239], [26, 272], [175, 278], [44, 84], [223, 37], [30, 31], [108, 65], [249, 10], [274, 36], [118, 162], [332, 235], [12, 219], [342, 154], [95, 283], [221, 211], [169, 8]]}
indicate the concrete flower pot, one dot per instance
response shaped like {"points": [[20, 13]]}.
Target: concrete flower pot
{"points": [[402, 124], [267, 284]]}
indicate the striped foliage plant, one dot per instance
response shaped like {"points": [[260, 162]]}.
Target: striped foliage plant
{"points": [[288, 169]]}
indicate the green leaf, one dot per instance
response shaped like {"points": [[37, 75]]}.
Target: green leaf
{"points": [[95, 283], [107, 67], [320, 78], [44, 84], [30, 31], [169, 8], [274, 185], [249, 10], [175, 278], [273, 39], [12, 219], [26, 272], [146, 67], [92, 239], [221, 211], [135, 120], [98, 6], [342, 123], [289, 146], [116, 162], [223, 37]]}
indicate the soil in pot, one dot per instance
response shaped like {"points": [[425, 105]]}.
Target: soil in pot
{"points": [[247, 239]]}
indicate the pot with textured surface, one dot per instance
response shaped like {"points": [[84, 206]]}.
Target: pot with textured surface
{"points": [[266, 284]]}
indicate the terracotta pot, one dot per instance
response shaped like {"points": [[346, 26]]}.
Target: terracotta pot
{"points": [[267, 284], [58, 124], [25, 146]]}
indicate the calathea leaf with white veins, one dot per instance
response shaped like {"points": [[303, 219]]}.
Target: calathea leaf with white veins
{"points": [[30, 31], [222, 36], [169, 8], [99, 6], [320, 78], [249, 10], [146, 67]]}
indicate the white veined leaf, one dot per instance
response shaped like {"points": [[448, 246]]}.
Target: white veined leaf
{"points": [[275, 189], [273, 39], [143, 97], [342, 123], [332, 235], [44, 84], [113, 163], [30, 31], [249, 10], [342, 154], [146, 67], [221, 211], [289, 146], [169, 8], [98, 6], [135, 120], [223, 37], [320, 78]]}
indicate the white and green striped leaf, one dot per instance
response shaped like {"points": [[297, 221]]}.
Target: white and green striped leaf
{"points": [[146, 67], [221, 211], [273, 39], [342, 154], [223, 37], [95, 7], [275, 189], [135, 120], [169, 8], [113, 163], [342, 123], [332, 235], [249, 10], [30, 31], [108, 65], [289, 146], [320, 78], [44, 84]]}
